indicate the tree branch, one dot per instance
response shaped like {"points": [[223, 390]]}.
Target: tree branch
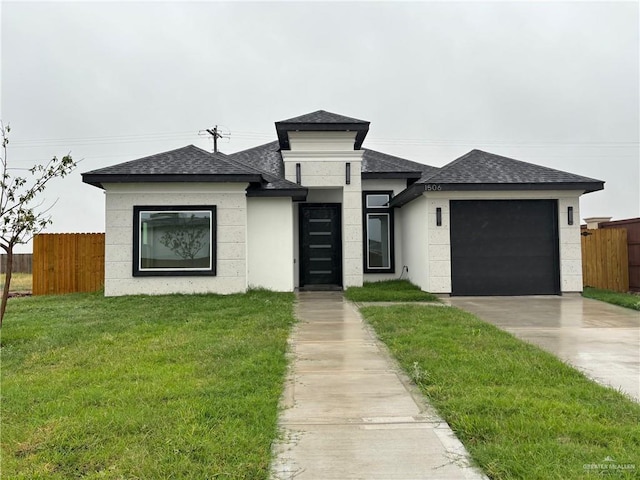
{"points": [[20, 219]]}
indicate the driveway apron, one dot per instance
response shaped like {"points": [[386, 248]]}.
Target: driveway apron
{"points": [[347, 410], [599, 339]]}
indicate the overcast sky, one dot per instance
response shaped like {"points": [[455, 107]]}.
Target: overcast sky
{"points": [[552, 83]]}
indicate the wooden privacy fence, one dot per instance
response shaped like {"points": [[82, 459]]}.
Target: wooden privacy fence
{"points": [[68, 263], [605, 259], [22, 263], [632, 226]]}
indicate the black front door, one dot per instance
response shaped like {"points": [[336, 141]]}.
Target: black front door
{"points": [[320, 245]]}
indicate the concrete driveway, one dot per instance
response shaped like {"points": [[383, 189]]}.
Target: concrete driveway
{"points": [[600, 339]]}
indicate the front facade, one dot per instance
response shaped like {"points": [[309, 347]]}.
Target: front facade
{"points": [[316, 210]]}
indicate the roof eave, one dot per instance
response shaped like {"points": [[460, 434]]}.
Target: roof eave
{"points": [[417, 189], [282, 129], [586, 187], [99, 179], [384, 175], [296, 194], [408, 194]]}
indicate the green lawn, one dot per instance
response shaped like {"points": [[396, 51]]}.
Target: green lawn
{"points": [[521, 413], [142, 387], [628, 300], [389, 291]]}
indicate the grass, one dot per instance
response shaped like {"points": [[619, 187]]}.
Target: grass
{"points": [[628, 300], [389, 291], [142, 387], [520, 412], [20, 282]]}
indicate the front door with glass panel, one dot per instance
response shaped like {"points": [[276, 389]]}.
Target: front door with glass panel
{"points": [[320, 245]]}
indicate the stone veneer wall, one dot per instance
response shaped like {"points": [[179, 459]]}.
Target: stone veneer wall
{"points": [[231, 213]]}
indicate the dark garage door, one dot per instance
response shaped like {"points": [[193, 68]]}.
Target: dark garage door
{"points": [[504, 247]]}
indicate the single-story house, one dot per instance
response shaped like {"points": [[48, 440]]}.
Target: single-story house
{"points": [[315, 210]]}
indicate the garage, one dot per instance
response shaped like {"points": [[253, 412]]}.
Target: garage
{"points": [[504, 247]]}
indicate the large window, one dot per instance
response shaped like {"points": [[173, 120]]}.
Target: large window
{"points": [[378, 232], [174, 240]]}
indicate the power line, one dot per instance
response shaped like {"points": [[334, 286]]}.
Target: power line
{"points": [[98, 140], [514, 143], [160, 136], [215, 133], [101, 137]]}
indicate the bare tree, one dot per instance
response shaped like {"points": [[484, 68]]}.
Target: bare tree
{"points": [[20, 216], [187, 238]]}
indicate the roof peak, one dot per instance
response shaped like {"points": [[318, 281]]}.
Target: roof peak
{"points": [[321, 121], [323, 116], [481, 167]]}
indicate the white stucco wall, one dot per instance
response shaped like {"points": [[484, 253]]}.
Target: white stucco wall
{"points": [[412, 218], [570, 245], [395, 184], [439, 247], [270, 249], [352, 270], [324, 195], [231, 213], [321, 141], [323, 169], [437, 240]]}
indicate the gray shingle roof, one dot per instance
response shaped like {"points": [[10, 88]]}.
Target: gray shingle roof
{"points": [[321, 121], [192, 164], [268, 158], [322, 116], [263, 168], [189, 160], [478, 167], [265, 157], [478, 170], [381, 165]]}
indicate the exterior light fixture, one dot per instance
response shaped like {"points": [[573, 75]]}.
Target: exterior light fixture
{"points": [[348, 173], [298, 174], [438, 216], [570, 215]]}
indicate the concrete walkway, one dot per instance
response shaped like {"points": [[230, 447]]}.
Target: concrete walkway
{"points": [[601, 340], [349, 413]]}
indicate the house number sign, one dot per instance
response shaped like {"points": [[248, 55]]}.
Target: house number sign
{"points": [[433, 187]]}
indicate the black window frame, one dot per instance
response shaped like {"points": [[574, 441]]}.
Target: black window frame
{"points": [[366, 210], [138, 209]]}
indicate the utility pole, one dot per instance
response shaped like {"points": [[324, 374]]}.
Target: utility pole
{"points": [[216, 135]]}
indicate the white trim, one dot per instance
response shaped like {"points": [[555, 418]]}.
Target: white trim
{"points": [[385, 206], [209, 217], [325, 155], [388, 266]]}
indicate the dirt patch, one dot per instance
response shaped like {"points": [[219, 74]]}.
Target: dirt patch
{"points": [[19, 294]]}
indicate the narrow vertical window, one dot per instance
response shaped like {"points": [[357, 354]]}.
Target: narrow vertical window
{"points": [[378, 240], [378, 232]]}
